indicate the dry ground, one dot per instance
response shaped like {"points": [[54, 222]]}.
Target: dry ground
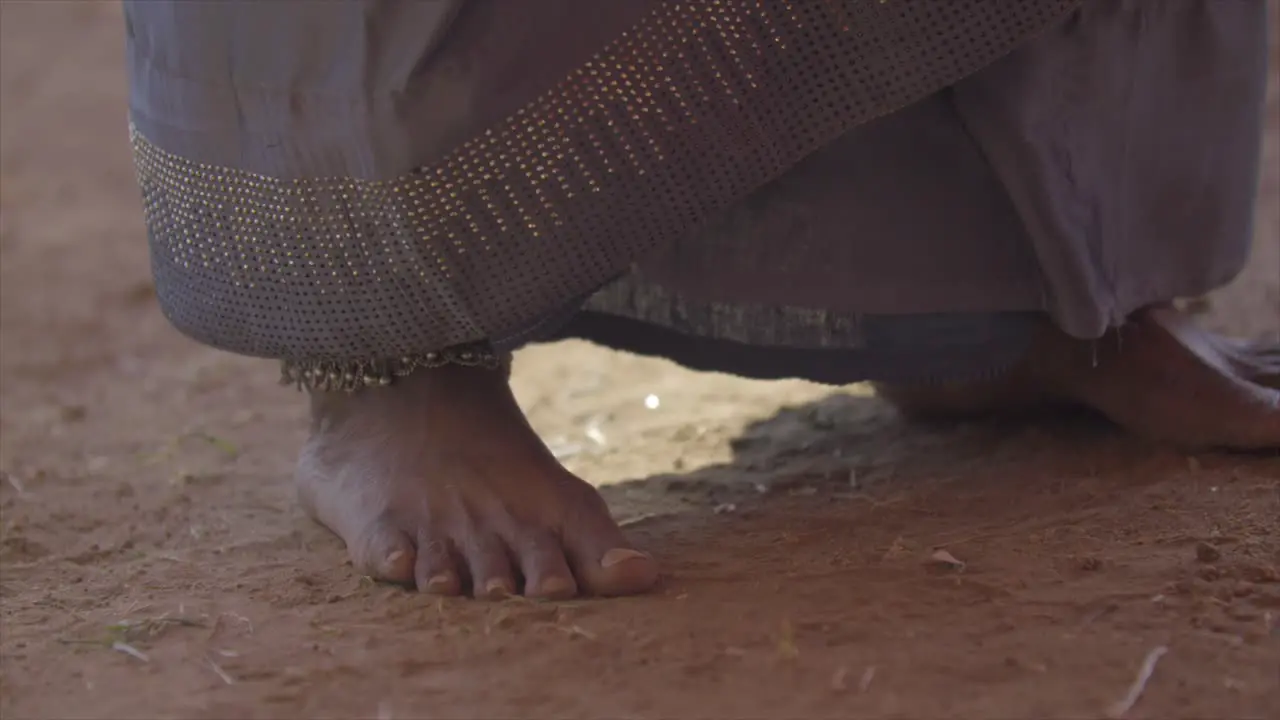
{"points": [[146, 503]]}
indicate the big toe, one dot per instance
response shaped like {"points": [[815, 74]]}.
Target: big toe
{"points": [[603, 561], [620, 570], [383, 552]]}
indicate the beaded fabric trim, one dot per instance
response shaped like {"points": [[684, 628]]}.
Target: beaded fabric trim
{"points": [[327, 376], [700, 103]]}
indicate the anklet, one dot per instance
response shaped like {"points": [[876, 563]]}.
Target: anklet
{"points": [[328, 375]]}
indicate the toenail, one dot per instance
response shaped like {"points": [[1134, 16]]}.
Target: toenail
{"points": [[394, 556], [621, 555], [497, 588], [556, 585], [441, 583]]}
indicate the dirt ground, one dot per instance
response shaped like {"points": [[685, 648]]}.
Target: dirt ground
{"points": [[155, 565]]}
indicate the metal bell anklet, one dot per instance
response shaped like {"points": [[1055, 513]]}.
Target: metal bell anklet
{"points": [[330, 376]]}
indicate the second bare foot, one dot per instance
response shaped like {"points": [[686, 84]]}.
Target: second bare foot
{"points": [[1158, 376]]}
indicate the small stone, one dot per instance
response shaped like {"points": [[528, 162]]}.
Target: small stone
{"points": [[942, 557], [1090, 563], [1260, 574], [1207, 553]]}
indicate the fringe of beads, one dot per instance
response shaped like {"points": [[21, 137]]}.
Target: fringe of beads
{"points": [[329, 376]]}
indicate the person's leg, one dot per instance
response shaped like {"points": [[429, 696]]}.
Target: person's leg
{"points": [[439, 482]]}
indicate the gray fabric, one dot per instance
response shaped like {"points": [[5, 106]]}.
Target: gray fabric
{"points": [[586, 147], [364, 89], [1107, 164], [1129, 140], [775, 341]]}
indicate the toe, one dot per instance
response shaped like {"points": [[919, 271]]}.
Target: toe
{"points": [[491, 574], [436, 571], [545, 569], [1266, 377], [1256, 362], [383, 552], [1262, 363], [603, 560]]}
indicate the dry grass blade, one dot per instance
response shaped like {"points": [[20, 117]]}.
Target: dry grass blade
{"points": [[1119, 709], [15, 482], [577, 631], [839, 679], [628, 522], [226, 678], [120, 635], [171, 448], [149, 628], [787, 648], [867, 676], [223, 445], [130, 650]]}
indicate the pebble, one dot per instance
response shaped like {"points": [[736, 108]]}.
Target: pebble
{"points": [[1207, 553]]}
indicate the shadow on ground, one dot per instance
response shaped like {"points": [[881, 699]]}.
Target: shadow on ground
{"points": [[846, 444]]}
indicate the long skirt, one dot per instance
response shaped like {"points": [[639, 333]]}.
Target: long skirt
{"points": [[838, 190]]}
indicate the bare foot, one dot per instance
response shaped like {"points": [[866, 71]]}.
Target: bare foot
{"points": [[1159, 376], [439, 482]]}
